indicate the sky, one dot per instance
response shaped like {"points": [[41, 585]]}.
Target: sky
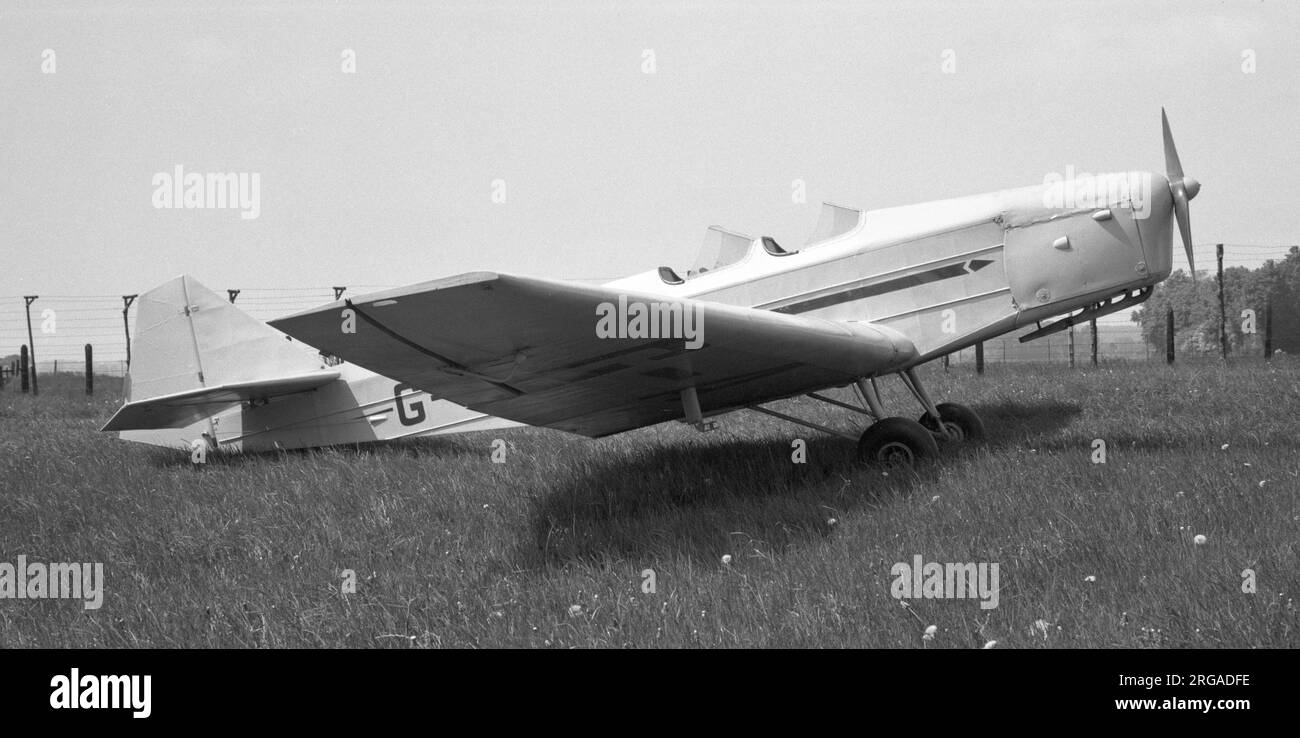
{"points": [[400, 142]]}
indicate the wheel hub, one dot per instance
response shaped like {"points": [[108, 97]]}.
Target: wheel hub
{"points": [[894, 453], [953, 431]]}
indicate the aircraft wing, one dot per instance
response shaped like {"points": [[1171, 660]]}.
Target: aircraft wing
{"points": [[528, 350], [180, 409]]}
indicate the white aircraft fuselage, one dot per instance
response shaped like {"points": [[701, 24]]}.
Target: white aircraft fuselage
{"points": [[951, 273], [359, 407]]}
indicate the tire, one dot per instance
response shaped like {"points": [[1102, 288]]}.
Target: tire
{"points": [[960, 418], [897, 442]]}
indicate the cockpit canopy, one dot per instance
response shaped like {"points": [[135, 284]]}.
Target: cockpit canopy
{"points": [[833, 222], [723, 248]]}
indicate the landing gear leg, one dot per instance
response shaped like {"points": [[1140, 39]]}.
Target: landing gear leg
{"points": [[897, 441], [948, 421], [891, 441]]}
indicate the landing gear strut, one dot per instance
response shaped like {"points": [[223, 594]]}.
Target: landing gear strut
{"points": [[960, 423], [893, 440]]}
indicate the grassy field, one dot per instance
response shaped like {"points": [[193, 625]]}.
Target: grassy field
{"points": [[551, 548]]}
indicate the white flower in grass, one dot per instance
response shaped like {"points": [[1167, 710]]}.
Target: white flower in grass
{"points": [[575, 610], [930, 630], [1090, 578], [990, 644], [726, 559], [1199, 540]]}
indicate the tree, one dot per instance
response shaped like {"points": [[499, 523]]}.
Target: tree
{"points": [[1285, 292], [1196, 308], [1196, 321]]}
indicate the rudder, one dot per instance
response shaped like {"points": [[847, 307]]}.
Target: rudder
{"points": [[188, 337]]}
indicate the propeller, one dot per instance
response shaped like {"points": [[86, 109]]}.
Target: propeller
{"points": [[1183, 190]]}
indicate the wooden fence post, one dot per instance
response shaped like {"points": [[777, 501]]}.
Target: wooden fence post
{"points": [[1169, 336], [22, 365], [1223, 310], [126, 325], [90, 370], [1093, 324], [31, 345], [1268, 329]]}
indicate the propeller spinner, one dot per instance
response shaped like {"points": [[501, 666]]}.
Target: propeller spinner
{"points": [[1182, 188]]}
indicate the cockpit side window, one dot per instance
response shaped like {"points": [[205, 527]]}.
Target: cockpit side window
{"points": [[669, 276], [772, 247]]}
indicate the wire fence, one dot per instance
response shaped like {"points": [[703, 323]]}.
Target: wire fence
{"points": [[1115, 342], [60, 336], [61, 325]]}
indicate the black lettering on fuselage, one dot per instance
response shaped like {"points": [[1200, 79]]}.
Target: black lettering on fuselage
{"points": [[417, 415]]}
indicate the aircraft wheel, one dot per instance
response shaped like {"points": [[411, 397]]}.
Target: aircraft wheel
{"points": [[896, 442], [961, 423]]}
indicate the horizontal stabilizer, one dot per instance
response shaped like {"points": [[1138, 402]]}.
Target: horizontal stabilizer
{"points": [[180, 409]]}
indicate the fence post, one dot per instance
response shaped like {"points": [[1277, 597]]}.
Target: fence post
{"points": [[979, 358], [22, 364], [1169, 336], [126, 326], [31, 344], [1223, 310], [1093, 324], [90, 371], [1268, 329], [1071, 347], [945, 362]]}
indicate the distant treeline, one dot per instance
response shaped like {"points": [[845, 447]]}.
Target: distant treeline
{"points": [[1247, 295]]}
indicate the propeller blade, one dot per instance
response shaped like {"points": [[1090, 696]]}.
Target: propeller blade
{"points": [[1173, 167], [1183, 215], [1182, 188]]}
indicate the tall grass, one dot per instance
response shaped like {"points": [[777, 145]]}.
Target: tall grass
{"points": [[554, 547]]}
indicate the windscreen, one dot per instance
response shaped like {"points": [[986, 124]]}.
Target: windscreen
{"points": [[834, 221], [720, 248]]}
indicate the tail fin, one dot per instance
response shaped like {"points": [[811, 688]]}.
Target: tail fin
{"points": [[188, 337], [195, 354]]}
